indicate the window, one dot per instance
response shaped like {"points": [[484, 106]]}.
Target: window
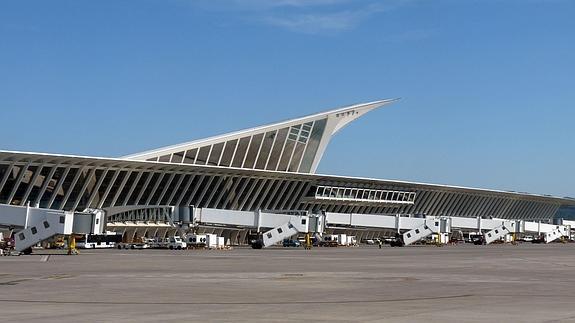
{"points": [[215, 154], [63, 219], [190, 156], [303, 221], [226, 159], [294, 132], [265, 149], [286, 155], [203, 155], [46, 224], [374, 196], [241, 152], [269, 235], [417, 231], [34, 230], [74, 190], [126, 189], [371, 195], [347, 193], [332, 192], [21, 236], [280, 230], [296, 158], [277, 149], [253, 150], [177, 157]]}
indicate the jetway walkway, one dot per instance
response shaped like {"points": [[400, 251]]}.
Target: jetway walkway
{"points": [[34, 225], [279, 226], [411, 229]]}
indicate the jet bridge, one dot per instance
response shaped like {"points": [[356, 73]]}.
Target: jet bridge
{"points": [[33, 225], [413, 229], [549, 232], [279, 225]]}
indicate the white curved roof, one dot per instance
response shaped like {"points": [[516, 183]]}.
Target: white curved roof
{"points": [[295, 145]]}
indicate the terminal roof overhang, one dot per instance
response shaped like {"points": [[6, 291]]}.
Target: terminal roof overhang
{"points": [[319, 179]]}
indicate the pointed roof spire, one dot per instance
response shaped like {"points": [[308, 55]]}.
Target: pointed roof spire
{"points": [[295, 145]]}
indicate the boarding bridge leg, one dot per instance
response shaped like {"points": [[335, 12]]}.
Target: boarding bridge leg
{"points": [[296, 225], [33, 225], [318, 236], [558, 232], [507, 227], [44, 228], [430, 226]]}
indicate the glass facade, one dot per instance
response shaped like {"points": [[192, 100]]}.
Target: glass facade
{"points": [[226, 160], [363, 194], [76, 187], [292, 149], [215, 154], [203, 155], [190, 156], [253, 151], [265, 150], [241, 151], [277, 149], [286, 155], [312, 146], [566, 212]]}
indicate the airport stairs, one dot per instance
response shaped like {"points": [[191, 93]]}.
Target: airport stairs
{"points": [[429, 227], [506, 227]]}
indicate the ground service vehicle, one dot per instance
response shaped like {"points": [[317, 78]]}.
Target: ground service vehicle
{"points": [[176, 242], [291, 243], [96, 241], [144, 243]]}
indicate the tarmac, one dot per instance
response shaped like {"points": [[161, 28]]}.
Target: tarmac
{"points": [[463, 283]]}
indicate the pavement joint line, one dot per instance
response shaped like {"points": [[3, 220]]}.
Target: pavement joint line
{"points": [[241, 303]]}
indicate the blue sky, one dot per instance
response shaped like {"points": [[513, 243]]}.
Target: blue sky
{"points": [[487, 87]]}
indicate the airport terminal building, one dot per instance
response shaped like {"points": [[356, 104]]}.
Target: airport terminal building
{"points": [[270, 168]]}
